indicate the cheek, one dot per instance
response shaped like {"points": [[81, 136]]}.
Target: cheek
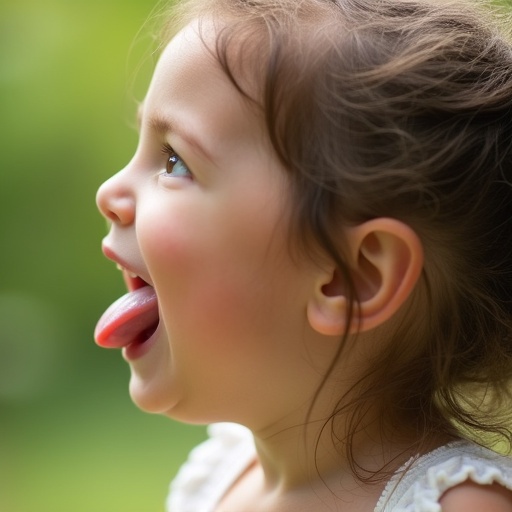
{"points": [[197, 270], [215, 280]]}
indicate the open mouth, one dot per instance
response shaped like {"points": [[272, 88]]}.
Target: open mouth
{"points": [[132, 319], [134, 283], [132, 280]]}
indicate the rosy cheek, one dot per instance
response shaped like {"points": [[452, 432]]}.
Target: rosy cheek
{"points": [[190, 271]]}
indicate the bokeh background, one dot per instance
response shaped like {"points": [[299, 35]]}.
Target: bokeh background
{"points": [[71, 72]]}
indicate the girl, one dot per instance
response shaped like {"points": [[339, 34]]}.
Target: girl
{"points": [[315, 235]]}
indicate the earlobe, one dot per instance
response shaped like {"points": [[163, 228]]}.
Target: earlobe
{"points": [[384, 261]]}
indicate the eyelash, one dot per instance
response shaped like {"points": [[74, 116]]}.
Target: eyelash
{"points": [[171, 154]]}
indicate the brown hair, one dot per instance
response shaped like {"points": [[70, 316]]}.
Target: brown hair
{"points": [[403, 109]]}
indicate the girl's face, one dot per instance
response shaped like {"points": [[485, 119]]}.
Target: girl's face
{"points": [[205, 223]]}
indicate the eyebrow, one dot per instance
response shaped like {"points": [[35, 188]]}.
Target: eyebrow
{"points": [[163, 126]]}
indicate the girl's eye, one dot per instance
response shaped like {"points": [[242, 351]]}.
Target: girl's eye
{"points": [[174, 166]]}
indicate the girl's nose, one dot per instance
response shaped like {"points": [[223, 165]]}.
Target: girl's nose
{"points": [[115, 201]]}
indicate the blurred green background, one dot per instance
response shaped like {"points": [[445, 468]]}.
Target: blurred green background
{"points": [[70, 438]]}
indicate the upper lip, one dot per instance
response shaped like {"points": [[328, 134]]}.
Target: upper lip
{"points": [[126, 267]]}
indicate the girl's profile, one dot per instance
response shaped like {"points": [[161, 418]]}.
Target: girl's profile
{"points": [[314, 231]]}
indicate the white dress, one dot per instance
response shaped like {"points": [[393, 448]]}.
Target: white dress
{"points": [[213, 467]]}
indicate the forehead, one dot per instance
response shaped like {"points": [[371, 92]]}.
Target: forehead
{"points": [[190, 89]]}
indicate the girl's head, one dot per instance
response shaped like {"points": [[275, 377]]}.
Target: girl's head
{"points": [[400, 110], [368, 146]]}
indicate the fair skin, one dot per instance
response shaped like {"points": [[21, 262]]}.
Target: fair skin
{"points": [[471, 497], [208, 229]]}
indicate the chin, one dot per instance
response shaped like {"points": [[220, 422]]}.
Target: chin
{"points": [[150, 397]]}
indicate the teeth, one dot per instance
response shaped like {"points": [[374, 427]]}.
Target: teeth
{"points": [[133, 275]]}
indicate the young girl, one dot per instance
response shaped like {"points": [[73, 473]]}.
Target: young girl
{"points": [[315, 235]]}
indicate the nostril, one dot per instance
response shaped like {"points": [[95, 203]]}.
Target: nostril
{"points": [[112, 216], [115, 203], [120, 210]]}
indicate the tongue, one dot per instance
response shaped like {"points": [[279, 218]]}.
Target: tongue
{"points": [[129, 319]]}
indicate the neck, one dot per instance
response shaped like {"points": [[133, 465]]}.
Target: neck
{"points": [[318, 450], [296, 455]]}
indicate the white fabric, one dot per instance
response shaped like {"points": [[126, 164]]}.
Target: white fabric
{"points": [[214, 466], [211, 469]]}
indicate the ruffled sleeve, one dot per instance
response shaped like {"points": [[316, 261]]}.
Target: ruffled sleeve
{"points": [[419, 486], [212, 467]]}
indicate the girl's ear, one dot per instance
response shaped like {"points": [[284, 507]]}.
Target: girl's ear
{"points": [[385, 260]]}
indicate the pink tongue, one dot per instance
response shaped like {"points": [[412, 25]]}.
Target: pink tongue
{"points": [[128, 319]]}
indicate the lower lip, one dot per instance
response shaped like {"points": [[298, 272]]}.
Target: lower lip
{"points": [[138, 349]]}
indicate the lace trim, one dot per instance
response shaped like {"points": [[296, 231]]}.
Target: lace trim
{"points": [[420, 483]]}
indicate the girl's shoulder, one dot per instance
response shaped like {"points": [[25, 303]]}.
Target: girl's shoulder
{"points": [[211, 468], [420, 484]]}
